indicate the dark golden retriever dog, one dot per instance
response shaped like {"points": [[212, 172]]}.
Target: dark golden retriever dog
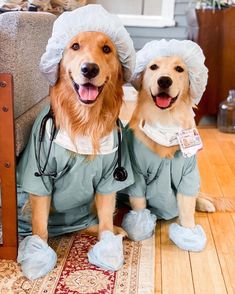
{"points": [[71, 167], [86, 100]]}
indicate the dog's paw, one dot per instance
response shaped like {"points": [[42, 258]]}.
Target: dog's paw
{"points": [[36, 257], [108, 252], [139, 224], [119, 231], [191, 239], [205, 205]]}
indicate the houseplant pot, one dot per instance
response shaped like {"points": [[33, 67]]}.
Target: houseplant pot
{"points": [[213, 30]]}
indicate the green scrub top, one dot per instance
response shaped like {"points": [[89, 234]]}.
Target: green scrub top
{"points": [[160, 179], [73, 188]]}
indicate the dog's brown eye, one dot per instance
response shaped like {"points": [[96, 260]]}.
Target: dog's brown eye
{"points": [[179, 69], [75, 46], [153, 67], [106, 49]]}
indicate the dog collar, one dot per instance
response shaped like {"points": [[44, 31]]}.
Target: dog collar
{"points": [[83, 144], [163, 135]]}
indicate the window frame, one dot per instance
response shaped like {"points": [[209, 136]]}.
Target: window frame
{"points": [[166, 19]]}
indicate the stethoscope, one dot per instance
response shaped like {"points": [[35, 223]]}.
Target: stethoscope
{"points": [[120, 173]]}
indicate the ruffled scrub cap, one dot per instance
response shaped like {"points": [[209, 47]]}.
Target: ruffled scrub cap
{"points": [[90, 18], [188, 51]]}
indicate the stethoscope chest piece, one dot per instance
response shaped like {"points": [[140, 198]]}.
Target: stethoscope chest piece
{"points": [[120, 174]]}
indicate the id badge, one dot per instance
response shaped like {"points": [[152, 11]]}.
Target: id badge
{"points": [[190, 142]]}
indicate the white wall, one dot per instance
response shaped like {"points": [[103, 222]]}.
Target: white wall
{"points": [[146, 7]]}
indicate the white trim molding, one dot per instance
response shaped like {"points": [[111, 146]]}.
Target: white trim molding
{"points": [[166, 19]]}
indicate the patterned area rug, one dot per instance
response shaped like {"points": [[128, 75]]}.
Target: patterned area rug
{"points": [[74, 274]]}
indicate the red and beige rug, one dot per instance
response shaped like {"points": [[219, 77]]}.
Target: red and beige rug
{"points": [[74, 274]]}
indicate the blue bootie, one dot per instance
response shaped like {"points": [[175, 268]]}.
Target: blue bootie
{"points": [[139, 225], [191, 239], [108, 252], [36, 257]]}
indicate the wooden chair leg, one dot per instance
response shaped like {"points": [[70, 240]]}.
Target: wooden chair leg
{"points": [[8, 250]]}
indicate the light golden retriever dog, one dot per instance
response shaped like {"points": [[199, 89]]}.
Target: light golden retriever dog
{"points": [[165, 102], [68, 169], [169, 102]]}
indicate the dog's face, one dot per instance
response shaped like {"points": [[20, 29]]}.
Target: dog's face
{"points": [[166, 81], [90, 62], [88, 95]]}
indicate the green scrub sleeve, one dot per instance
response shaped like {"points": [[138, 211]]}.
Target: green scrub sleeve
{"points": [[190, 181], [43, 185], [138, 188], [108, 184]]}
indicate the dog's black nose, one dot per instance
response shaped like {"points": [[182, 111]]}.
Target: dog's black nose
{"points": [[90, 70], [164, 82]]}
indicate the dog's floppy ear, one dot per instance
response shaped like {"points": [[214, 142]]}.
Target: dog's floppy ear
{"points": [[137, 81], [121, 74]]}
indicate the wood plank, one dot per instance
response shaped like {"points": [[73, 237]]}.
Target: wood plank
{"points": [[218, 150], [225, 136], [223, 229], [176, 270], [232, 166], [211, 132], [233, 216], [228, 149], [206, 271], [226, 180], [209, 183], [158, 260], [207, 133], [214, 153], [217, 161]]}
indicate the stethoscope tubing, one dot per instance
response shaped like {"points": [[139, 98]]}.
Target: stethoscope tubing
{"points": [[119, 174]]}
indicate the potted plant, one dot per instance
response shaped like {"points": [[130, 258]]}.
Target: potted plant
{"points": [[213, 4]]}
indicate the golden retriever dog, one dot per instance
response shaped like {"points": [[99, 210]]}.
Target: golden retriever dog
{"points": [[166, 182], [86, 101], [68, 168], [178, 106]]}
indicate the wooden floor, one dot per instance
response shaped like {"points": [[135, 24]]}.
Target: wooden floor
{"points": [[213, 270]]}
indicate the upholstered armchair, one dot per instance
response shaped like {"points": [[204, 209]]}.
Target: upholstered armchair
{"points": [[23, 93]]}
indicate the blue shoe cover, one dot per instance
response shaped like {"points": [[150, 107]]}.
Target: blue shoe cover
{"points": [[36, 257], [139, 225], [108, 252], [191, 239]]}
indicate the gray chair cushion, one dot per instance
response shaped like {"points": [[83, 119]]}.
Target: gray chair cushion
{"points": [[23, 39], [23, 124]]}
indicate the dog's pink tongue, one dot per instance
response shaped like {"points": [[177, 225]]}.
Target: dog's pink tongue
{"points": [[163, 101], [88, 92]]}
